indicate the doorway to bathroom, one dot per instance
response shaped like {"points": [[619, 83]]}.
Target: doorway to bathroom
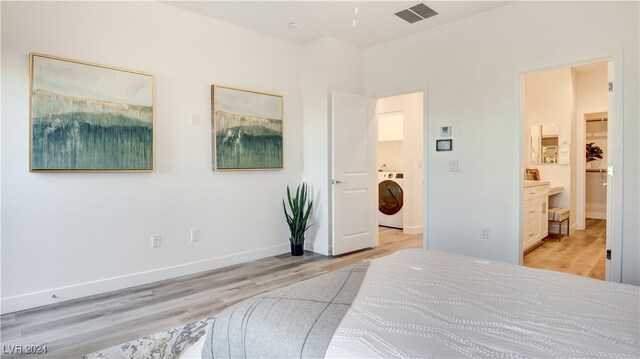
{"points": [[400, 163], [566, 111]]}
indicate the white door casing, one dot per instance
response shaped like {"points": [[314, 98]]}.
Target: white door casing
{"points": [[354, 186], [609, 276]]}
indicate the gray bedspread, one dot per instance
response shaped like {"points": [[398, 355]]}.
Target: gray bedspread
{"points": [[297, 321]]}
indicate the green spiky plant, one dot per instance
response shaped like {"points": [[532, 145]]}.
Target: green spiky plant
{"points": [[300, 212]]}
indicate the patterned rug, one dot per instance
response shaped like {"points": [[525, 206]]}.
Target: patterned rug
{"points": [[169, 344]]}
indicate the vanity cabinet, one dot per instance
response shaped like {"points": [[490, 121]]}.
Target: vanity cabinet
{"points": [[536, 205]]}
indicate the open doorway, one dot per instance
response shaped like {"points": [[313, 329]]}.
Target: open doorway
{"points": [[400, 164], [565, 112], [354, 170]]}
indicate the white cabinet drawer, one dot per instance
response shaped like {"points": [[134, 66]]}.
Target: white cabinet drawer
{"points": [[535, 215], [535, 191]]}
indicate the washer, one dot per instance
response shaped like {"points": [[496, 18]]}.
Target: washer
{"points": [[390, 199]]}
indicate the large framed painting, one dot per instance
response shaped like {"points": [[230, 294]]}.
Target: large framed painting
{"points": [[87, 117], [247, 129]]}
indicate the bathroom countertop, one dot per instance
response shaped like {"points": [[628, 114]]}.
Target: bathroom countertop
{"points": [[535, 183], [555, 190]]}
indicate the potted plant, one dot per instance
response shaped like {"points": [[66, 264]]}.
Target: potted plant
{"points": [[297, 220], [593, 152]]}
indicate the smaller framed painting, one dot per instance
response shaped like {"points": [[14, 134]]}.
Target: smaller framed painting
{"points": [[532, 174], [247, 129]]}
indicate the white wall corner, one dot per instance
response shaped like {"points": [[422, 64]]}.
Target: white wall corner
{"points": [[318, 245]]}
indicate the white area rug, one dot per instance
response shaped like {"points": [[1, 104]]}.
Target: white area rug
{"points": [[168, 344]]}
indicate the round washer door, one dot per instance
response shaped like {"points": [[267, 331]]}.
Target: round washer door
{"points": [[390, 197]]}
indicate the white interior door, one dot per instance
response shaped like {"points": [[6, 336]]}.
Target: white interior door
{"points": [[354, 186]]}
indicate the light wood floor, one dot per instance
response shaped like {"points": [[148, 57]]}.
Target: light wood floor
{"points": [[582, 253], [78, 327]]}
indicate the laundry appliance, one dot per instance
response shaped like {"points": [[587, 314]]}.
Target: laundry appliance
{"points": [[391, 199]]}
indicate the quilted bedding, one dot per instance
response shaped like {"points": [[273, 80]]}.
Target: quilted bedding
{"points": [[429, 304], [419, 303]]}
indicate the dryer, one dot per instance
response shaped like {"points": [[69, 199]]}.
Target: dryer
{"points": [[390, 199]]}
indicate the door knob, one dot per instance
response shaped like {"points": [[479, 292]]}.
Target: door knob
{"points": [[336, 182]]}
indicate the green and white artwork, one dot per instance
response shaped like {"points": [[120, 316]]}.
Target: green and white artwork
{"points": [[87, 117], [247, 129]]}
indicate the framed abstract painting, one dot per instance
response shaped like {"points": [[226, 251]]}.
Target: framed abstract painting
{"points": [[247, 129], [87, 117]]}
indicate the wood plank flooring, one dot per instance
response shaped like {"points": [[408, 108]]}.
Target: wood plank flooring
{"points": [[582, 253], [74, 328]]}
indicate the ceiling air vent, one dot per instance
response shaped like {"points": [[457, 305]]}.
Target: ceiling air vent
{"points": [[416, 13], [408, 16]]}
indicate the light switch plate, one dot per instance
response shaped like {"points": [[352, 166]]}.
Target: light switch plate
{"points": [[454, 166], [194, 119]]}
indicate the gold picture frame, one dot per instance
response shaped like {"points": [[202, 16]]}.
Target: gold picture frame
{"points": [[247, 129], [532, 174], [88, 117]]}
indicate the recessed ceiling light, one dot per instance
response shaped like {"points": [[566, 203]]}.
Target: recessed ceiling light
{"points": [[294, 25]]}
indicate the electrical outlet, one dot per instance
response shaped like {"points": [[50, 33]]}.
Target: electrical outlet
{"points": [[484, 232], [195, 235], [155, 241]]}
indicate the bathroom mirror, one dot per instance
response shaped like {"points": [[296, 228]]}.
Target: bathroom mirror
{"points": [[534, 145], [544, 144]]}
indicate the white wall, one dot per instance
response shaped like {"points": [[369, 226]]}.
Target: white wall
{"points": [[471, 68], [390, 156], [412, 155], [73, 234], [327, 64], [549, 99]]}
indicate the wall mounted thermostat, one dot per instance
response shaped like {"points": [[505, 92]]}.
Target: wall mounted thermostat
{"points": [[444, 145], [445, 131]]}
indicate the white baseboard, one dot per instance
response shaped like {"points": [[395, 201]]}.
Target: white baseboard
{"points": [[413, 230], [36, 299], [595, 215]]}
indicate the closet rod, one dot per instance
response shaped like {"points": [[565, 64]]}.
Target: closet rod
{"points": [[597, 119]]}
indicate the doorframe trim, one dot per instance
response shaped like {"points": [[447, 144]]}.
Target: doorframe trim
{"points": [[615, 158], [581, 178]]}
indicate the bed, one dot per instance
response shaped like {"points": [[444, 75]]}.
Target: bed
{"points": [[423, 303]]}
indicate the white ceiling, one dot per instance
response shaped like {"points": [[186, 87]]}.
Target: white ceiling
{"points": [[376, 22]]}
